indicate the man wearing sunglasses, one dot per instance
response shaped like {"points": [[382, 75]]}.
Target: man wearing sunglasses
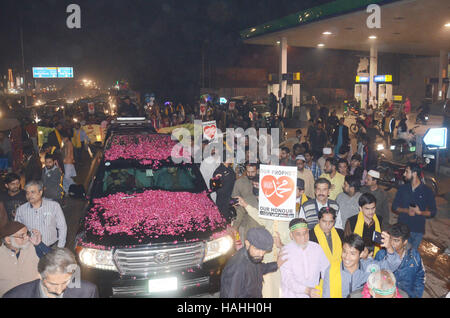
{"points": [[18, 258]]}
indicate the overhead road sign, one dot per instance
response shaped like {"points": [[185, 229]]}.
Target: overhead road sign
{"points": [[45, 72], [65, 72], [52, 72]]}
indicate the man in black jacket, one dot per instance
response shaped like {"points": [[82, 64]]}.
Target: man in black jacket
{"points": [[342, 132], [242, 277], [57, 270], [228, 177], [54, 138], [128, 109], [318, 139]]}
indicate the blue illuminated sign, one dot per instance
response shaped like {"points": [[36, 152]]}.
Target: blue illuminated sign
{"points": [[362, 79], [436, 138], [52, 72], [382, 78], [65, 72], [45, 72]]}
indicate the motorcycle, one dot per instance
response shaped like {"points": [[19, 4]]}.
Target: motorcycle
{"points": [[401, 148], [392, 175], [351, 108], [422, 118]]}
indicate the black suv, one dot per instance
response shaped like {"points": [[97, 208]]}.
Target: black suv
{"points": [[150, 228]]}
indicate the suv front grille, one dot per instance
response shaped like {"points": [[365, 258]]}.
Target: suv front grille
{"points": [[141, 261]]}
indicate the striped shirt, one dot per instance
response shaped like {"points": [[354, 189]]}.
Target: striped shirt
{"points": [[310, 212], [315, 169], [48, 219]]}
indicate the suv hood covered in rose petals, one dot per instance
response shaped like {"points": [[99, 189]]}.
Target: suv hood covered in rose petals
{"points": [[153, 216], [143, 147]]}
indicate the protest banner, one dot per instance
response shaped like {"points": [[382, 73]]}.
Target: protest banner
{"points": [[209, 130], [277, 192]]}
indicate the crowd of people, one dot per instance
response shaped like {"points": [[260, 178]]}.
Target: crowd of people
{"points": [[331, 248], [166, 114], [328, 250]]}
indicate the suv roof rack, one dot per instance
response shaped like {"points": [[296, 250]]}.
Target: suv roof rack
{"points": [[131, 122], [127, 123]]}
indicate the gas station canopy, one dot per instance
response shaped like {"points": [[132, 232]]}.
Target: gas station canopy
{"points": [[419, 27]]}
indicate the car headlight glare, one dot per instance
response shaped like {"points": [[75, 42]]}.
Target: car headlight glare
{"points": [[218, 247], [97, 259]]}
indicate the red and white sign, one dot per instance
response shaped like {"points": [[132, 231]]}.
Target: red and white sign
{"points": [[232, 105], [202, 109], [209, 130], [277, 192], [91, 108]]}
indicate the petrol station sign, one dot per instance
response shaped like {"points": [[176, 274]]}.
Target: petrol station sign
{"points": [[382, 79], [362, 79]]}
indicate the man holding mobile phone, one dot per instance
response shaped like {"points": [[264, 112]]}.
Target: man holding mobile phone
{"points": [[414, 202], [365, 224]]}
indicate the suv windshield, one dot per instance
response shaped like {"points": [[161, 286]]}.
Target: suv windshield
{"points": [[126, 178], [261, 108]]}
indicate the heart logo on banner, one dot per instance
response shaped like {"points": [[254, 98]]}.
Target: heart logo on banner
{"points": [[277, 191], [210, 131]]}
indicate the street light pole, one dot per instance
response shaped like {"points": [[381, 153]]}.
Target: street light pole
{"points": [[23, 62]]}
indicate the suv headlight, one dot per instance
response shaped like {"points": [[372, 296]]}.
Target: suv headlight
{"points": [[218, 247], [96, 258]]}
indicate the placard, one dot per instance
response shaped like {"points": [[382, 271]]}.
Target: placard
{"points": [[202, 109], [209, 130], [91, 108], [277, 192]]}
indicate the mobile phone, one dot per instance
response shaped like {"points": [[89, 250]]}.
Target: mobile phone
{"points": [[376, 237], [234, 201]]}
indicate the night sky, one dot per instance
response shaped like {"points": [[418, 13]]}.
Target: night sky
{"points": [[156, 44]]}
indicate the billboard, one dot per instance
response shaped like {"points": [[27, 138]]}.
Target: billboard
{"points": [[52, 72]]}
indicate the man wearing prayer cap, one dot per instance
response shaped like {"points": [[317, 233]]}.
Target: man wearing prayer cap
{"points": [[20, 251], [372, 187], [242, 277], [306, 263]]}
